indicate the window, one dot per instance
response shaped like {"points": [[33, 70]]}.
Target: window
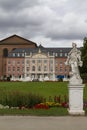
{"points": [[61, 54], [27, 75], [60, 69], [9, 62], [9, 69], [5, 52], [27, 69], [18, 62], [39, 61], [66, 54], [51, 68], [56, 62], [53, 54], [23, 69], [18, 69], [45, 68], [61, 63], [27, 61], [23, 54], [39, 68], [56, 68], [18, 54], [45, 61], [13, 54], [13, 68], [22, 61], [33, 61], [51, 61], [13, 62], [33, 68], [56, 54]]}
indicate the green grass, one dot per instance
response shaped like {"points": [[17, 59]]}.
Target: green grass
{"points": [[35, 112], [44, 89], [85, 92]]}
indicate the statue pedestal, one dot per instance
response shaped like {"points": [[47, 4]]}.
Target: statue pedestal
{"points": [[76, 99]]}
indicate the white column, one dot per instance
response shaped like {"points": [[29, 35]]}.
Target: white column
{"points": [[53, 77]]}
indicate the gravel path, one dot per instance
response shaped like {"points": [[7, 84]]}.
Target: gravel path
{"points": [[43, 123]]}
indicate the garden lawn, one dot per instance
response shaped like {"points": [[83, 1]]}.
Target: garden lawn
{"points": [[45, 89], [35, 112]]}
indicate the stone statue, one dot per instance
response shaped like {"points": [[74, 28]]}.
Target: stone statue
{"points": [[74, 60]]}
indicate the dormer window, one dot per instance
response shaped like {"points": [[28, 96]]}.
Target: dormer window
{"points": [[18, 54], [65, 54], [22, 54], [61, 54], [13, 54], [56, 54], [53, 54]]}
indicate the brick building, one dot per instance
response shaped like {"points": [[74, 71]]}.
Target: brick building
{"points": [[9, 44], [20, 57]]}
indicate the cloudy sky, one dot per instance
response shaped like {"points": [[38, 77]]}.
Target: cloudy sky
{"points": [[52, 23]]}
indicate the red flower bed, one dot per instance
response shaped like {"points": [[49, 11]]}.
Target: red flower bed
{"points": [[65, 104], [41, 106]]}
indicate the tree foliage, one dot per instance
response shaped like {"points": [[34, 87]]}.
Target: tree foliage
{"points": [[84, 57]]}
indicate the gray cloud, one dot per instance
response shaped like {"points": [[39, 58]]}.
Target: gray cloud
{"points": [[11, 5], [51, 21]]}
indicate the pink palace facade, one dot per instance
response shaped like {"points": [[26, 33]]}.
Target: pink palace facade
{"points": [[37, 63]]}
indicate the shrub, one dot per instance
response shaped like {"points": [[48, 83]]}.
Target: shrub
{"points": [[19, 99], [84, 77]]}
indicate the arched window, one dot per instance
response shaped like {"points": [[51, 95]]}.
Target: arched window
{"points": [[13, 49], [5, 52]]}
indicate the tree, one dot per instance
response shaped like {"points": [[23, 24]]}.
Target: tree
{"points": [[83, 70]]}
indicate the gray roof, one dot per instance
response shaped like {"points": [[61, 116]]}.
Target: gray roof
{"points": [[59, 52]]}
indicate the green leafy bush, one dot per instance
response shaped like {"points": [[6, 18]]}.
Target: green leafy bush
{"points": [[84, 77], [19, 99]]}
